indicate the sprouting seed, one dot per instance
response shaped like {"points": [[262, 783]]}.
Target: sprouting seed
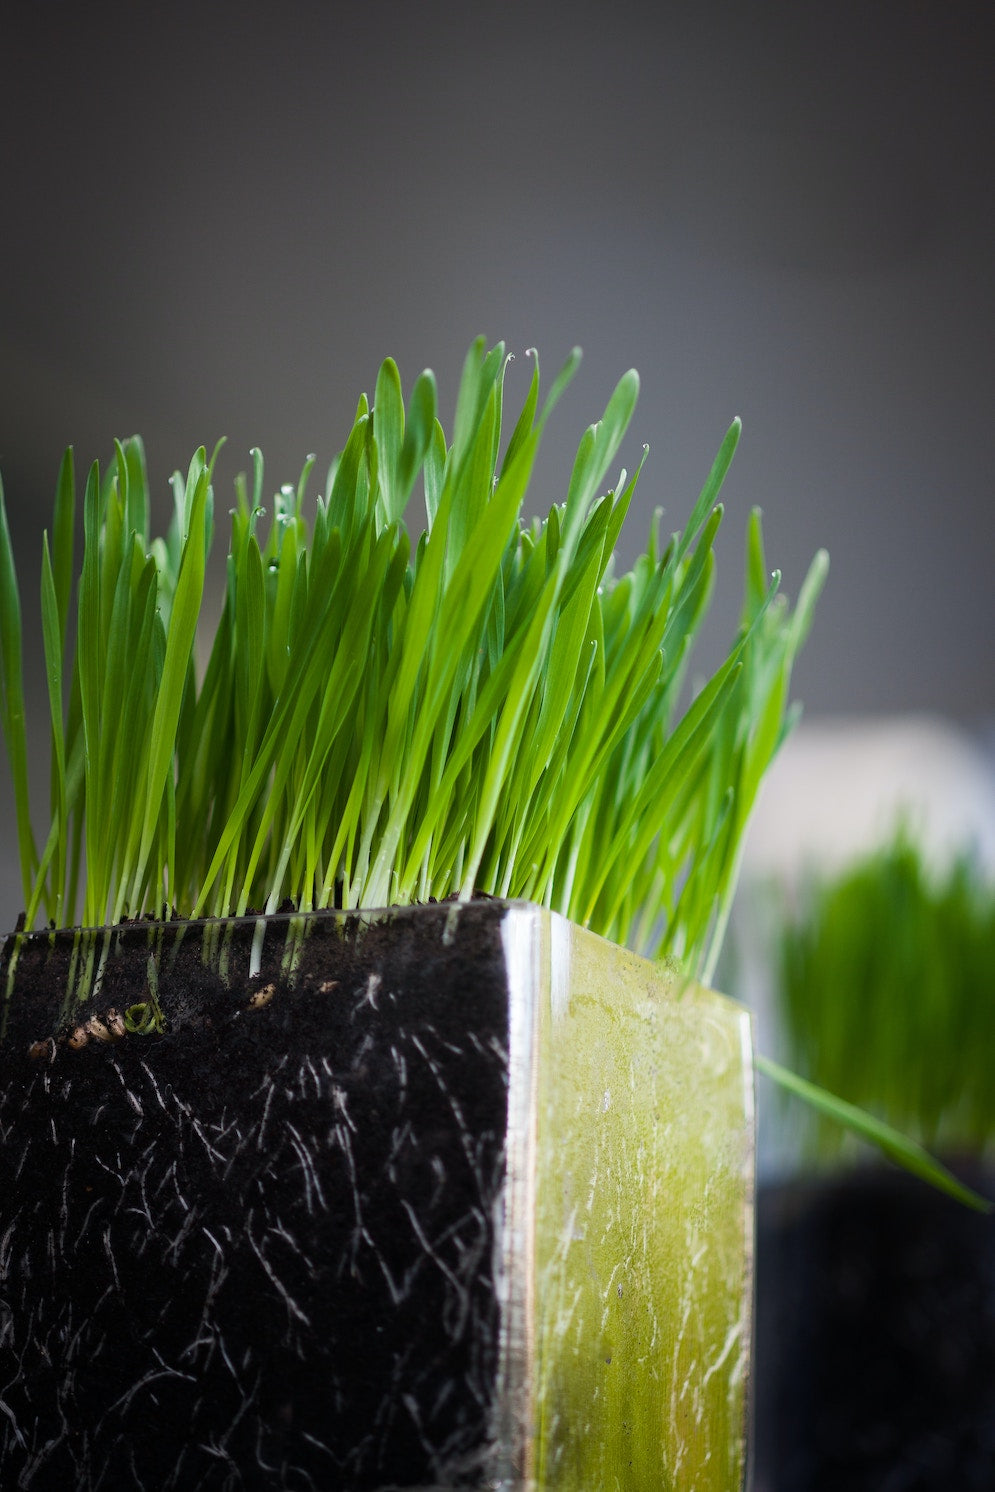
{"points": [[114, 1021]]}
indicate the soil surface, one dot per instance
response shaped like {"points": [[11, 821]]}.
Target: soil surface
{"points": [[875, 1349], [256, 1249]]}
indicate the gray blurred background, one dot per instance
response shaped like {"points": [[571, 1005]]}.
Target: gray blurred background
{"points": [[218, 220]]}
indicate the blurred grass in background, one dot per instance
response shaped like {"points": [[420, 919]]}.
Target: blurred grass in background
{"points": [[886, 988]]}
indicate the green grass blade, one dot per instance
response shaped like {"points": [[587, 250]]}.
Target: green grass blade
{"points": [[526, 418], [709, 494], [52, 638], [63, 540], [419, 435], [179, 642], [388, 433], [896, 1146], [12, 715], [596, 453]]}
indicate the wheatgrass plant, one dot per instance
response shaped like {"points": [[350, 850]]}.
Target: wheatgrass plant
{"points": [[887, 992], [490, 710]]}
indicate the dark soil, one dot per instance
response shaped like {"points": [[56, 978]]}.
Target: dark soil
{"points": [[257, 1250], [875, 1350]]}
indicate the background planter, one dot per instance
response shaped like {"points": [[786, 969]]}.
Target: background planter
{"points": [[456, 1195], [875, 1336]]}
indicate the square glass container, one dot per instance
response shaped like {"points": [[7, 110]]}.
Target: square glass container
{"points": [[457, 1195]]}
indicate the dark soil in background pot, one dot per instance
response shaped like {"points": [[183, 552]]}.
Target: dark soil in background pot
{"points": [[257, 1250], [875, 1346]]}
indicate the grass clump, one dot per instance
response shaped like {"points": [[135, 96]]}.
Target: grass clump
{"points": [[381, 721], [887, 976]]}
